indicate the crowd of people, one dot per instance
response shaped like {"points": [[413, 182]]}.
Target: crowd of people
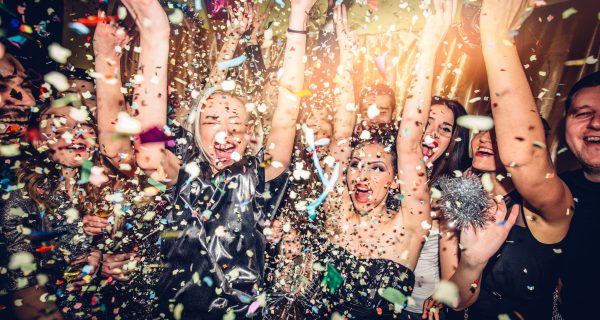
{"points": [[122, 204]]}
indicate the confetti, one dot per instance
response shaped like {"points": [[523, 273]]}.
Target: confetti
{"points": [[127, 125], [476, 123], [79, 28], [569, 12], [232, 63], [394, 296], [57, 80]]}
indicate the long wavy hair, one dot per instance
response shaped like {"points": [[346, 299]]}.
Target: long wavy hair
{"points": [[456, 156], [40, 176]]}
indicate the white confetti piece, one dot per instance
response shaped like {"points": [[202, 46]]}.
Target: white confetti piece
{"points": [[220, 137], [228, 85], [127, 124], [474, 122], [235, 156], [58, 53], [19, 260], [79, 114], [57, 80], [446, 293], [486, 181], [72, 214], [192, 169], [373, 111], [10, 150]]}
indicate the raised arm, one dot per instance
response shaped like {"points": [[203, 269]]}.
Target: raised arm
{"points": [[283, 127], [411, 169], [238, 23], [150, 91], [344, 112], [519, 129], [108, 41]]}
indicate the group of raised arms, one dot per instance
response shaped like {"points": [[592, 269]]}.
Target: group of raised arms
{"points": [[298, 201]]}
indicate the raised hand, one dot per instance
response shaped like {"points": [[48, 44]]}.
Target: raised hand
{"points": [[438, 20], [108, 37], [240, 20], [258, 23], [345, 38], [503, 16], [479, 245]]}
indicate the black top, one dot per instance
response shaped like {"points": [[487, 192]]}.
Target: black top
{"points": [[578, 274], [51, 239], [360, 294], [520, 278], [214, 246]]}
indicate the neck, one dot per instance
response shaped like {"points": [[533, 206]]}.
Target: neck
{"points": [[69, 175], [379, 214], [501, 187], [592, 174]]}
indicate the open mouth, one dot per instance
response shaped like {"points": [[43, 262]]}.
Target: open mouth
{"points": [[362, 193], [77, 147], [223, 151], [429, 146], [484, 152], [592, 139]]}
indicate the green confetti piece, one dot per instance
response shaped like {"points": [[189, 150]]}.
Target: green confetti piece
{"points": [[333, 279], [394, 296], [157, 184], [569, 12], [86, 168]]}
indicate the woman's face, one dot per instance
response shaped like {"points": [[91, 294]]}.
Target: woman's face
{"points": [[438, 133], [224, 132], [370, 175], [485, 152], [68, 141]]}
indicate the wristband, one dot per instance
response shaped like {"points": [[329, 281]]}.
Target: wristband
{"points": [[297, 31]]}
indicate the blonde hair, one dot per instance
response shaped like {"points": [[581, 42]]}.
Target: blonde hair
{"points": [[193, 122]]}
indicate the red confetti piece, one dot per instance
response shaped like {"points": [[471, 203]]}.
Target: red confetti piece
{"points": [[44, 249], [94, 20]]}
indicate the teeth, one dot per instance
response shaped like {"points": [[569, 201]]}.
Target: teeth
{"points": [[485, 150], [592, 139]]}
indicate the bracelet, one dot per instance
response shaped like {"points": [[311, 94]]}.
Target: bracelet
{"points": [[297, 31]]}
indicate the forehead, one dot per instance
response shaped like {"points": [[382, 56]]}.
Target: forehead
{"points": [[81, 85], [372, 152], [589, 97], [222, 104], [60, 112], [442, 112]]}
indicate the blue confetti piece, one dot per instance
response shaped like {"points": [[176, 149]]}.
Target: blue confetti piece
{"points": [[198, 5], [18, 39], [209, 282], [232, 63], [280, 3], [128, 226], [87, 269], [79, 28], [152, 295]]}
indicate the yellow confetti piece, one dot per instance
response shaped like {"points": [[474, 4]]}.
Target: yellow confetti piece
{"points": [[303, 93]]}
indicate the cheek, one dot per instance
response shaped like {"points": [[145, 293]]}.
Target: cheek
{"points": [[443, 144]]}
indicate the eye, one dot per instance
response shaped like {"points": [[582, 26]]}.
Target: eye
{"points": [[583, 115], [354, 164], [378, 168]]}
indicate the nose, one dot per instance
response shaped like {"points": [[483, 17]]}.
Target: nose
{"points": [[485, 137], [595, 121]]}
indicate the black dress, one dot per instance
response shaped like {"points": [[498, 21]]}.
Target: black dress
{"points": [[358, 297], [520, 278], [213, 245]]}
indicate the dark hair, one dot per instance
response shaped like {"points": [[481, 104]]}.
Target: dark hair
{"points": [[379, 90], [383, 134], [591, 80], [457, 157]]}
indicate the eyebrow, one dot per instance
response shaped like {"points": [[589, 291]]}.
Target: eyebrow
{"points": [[370, 162], [575, 109]]}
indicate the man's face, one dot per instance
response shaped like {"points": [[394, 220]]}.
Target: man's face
{"points": [[381, 107], [583, 127], [16, 100]]}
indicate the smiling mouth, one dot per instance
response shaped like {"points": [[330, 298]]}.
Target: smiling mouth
{"points": [[484, 152], [77, 147], [223, 151], [592, 139]]}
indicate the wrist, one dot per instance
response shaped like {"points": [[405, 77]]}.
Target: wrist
{"points": [[472, 263]]}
